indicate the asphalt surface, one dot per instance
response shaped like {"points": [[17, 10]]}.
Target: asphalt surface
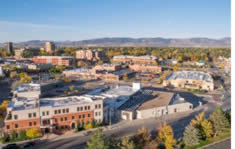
{"points": [[178, 121], [221, 145]]}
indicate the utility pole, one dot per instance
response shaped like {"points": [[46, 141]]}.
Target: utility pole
{"points": [[110, 120]]}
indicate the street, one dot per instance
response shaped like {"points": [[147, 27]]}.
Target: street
{"points": [[126, 128], [221, 145]]}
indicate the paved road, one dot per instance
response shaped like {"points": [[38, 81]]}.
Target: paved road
{"points": [[222, 145], [177, 121]]}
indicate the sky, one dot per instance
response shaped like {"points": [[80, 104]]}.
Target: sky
{"points": [[59, 20]]}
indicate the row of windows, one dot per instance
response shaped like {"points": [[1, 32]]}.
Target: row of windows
{"points": [[45, 113], [60, 111], [85, 108], [98, 106], [30, 124], [97, 113], [65, 118], [32, 115]]}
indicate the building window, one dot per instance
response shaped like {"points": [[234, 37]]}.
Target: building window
{"points": [[88, 115], [47, 112], [61, 119], [88, 107], [83, 116], [99, 106], [65, 118], [79, 116], [96, 113], [62, 127], [63, 110], [30, 123], [43, 113], [34, 114], [81, 108], [16, 125], [8, 127], [78, 109], [67, 110], [66, 126], [30, 115], [59, 111], [85, 107], [15, 117], [56, 120], [72, 117], [34, 123], [96, 106], [55, 111]]}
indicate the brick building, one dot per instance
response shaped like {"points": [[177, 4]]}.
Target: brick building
{"points": [[90, 55], [54, 60], [145, 68], [134, 59], [53, 114]]}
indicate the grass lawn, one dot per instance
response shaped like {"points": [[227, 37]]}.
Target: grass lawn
{"points": [[210, 141]]}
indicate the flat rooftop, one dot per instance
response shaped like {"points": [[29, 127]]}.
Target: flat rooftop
{"points": [[192, 75], [158, 99], [26, 103], [78, 70]]}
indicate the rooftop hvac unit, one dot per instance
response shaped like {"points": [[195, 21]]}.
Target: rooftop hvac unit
{"points": [[136, 85]]}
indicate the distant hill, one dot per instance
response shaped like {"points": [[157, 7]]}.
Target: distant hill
{"points": [[150, 42]]}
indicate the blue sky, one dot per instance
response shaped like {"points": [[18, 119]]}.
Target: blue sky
{"points": [[22, 20]]}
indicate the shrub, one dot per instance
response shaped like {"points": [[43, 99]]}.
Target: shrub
{"points": [[33, 133], [22, 135]]}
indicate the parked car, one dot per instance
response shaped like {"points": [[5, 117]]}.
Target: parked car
{"points": [[11, 146]]}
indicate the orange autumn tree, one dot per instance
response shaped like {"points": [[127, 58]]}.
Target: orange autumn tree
{"points": [[166, 136]]}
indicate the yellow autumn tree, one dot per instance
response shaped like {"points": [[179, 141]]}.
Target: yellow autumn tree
{"points": [[203, 124], [125, 77], [33, 133], [166, 136], [207, 128], [24, 77], [176, 68], [88, 126]]}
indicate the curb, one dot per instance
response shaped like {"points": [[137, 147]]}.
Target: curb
{"points": [[215, 142]]}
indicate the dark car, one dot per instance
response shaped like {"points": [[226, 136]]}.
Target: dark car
{"points": [[11, 146], [29, 144]]}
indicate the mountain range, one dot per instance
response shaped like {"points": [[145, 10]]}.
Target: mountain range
{"points": [[121, 42]]}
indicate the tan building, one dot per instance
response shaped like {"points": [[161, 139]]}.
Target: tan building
{"points": [[19, 52], [107, 67], [161, 104], [134, 59], [49, 47], [80, 73], [145, 68], [150, 104], [190, 80], [52, 114], [90, 55]]}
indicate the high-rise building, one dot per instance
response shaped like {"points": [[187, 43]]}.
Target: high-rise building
{"points": [[49, 47], [9, 47]]}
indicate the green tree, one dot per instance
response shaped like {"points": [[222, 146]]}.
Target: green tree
{"points": [[97, 140], [13, 135], [191, 136], [219, 121], [22, 135]]}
